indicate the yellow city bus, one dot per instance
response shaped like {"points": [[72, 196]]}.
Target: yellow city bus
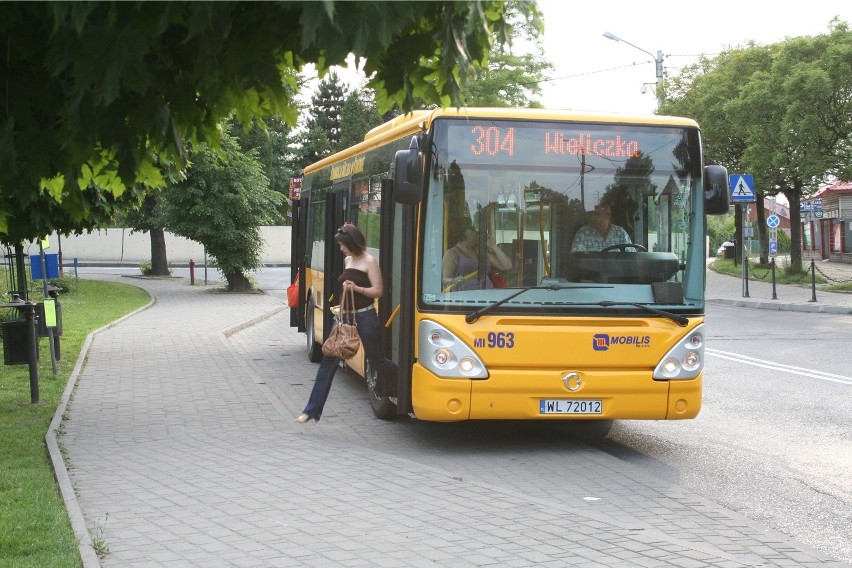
{"points": [[560, 334]]}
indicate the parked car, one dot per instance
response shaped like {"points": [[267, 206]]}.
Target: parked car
{"points": [[724, 247]]}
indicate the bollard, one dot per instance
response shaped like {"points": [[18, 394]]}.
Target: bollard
{"points": [[774, 295], [192, 272], [32, 348], [813, 281]]}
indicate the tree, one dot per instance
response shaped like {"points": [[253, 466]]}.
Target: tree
{"points": [[511, 79], [326, 104], [94, 91], [221, 204], [270, 141], [707, 92], [357, 117], [148, 218], [320, 135], [806, 142], [781, 112]]}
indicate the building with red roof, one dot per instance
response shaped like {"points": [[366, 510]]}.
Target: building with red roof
{"points": [[827, 223]]}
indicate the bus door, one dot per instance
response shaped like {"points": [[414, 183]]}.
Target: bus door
{"points": [[337, 213], [396, 310], [297, 261]]}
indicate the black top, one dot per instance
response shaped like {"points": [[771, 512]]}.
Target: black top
{"points": [[362, 280]]}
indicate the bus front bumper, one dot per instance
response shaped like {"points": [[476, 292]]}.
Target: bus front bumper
{"points": [[548, 395]]}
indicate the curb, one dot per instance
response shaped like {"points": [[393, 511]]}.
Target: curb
{"points": [[783, 307]]}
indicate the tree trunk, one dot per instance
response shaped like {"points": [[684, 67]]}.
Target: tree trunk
{"points": [[159, 262], [21, 272], [237, 281], [763, 236], [794, 199], [739, 234]]}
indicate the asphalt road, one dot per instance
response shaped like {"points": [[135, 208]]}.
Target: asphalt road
{"points": [[773, 440]]}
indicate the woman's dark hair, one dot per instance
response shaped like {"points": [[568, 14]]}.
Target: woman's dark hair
{"points": [[352, 238], [459, 233]]}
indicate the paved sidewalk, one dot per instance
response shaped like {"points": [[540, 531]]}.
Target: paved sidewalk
{"points": [[729, 290], [183, 452]]}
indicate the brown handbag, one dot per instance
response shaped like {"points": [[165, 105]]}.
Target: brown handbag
{"points": [[343, 341]]}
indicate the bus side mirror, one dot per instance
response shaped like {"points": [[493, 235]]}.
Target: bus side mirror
{"points": [[716, 196], [408, 175]]}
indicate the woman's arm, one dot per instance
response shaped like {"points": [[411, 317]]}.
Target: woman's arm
{"points": [[499, 258], [449, 266]]}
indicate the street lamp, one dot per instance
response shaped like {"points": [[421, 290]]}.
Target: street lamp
{"points": [[658, 60]]}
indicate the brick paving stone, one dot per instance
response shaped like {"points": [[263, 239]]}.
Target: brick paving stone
{"points": [[182, 448]]}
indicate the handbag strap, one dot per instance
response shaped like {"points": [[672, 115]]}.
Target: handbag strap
{"points": [[347, 306]]}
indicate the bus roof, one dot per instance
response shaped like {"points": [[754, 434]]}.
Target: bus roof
{"points": [[415, 121]]}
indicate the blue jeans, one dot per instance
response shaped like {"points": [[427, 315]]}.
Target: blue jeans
{"points": [[368, 331]]}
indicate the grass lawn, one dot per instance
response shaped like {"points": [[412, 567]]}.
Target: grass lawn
{"points": [[783, 275], [34, 527]]}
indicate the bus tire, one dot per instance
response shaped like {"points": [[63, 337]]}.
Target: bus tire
{"points": [[314, 348], [383, 407]]}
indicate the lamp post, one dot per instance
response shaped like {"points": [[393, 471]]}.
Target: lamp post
{"points": [[658, 60]]}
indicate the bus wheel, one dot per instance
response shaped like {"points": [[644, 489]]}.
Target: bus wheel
{"points": [[382, 406], [314, 348]]}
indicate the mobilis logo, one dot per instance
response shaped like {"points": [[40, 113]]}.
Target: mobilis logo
{"points": [[602, 341]]}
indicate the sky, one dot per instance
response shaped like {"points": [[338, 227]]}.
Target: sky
{"points": [[596, 73]]}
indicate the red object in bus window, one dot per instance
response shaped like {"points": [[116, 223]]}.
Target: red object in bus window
{"points": [[497, 279], [293, 293]]}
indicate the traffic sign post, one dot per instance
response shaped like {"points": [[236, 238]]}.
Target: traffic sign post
{"points": [[773, 222], [742, 188]]}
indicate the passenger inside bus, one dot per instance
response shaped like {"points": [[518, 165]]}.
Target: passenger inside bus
{"points": [[460, 265], [599, 232]]}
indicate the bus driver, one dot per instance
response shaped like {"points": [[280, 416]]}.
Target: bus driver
{"points": [[599, 233]]}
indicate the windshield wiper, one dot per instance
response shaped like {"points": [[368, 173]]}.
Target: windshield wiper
{"points": [[472, 317], [678, 319]]}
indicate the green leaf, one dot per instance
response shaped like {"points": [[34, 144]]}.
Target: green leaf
{"points": [[54, 186]]}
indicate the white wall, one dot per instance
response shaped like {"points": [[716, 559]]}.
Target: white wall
{"points": [[119, 245]]}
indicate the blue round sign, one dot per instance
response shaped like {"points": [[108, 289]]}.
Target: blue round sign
{"points": [[773, 221]]}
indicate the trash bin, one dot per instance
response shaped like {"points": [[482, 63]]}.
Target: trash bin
{"points": [[730, 252], [42, 324], [15, 350]]}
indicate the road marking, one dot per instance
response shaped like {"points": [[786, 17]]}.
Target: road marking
{"points": [[779, 367]]}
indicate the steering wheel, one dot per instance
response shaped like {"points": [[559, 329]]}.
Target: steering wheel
{"points": [[624, 246]]}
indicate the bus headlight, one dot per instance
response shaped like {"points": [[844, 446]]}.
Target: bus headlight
{"points": [[443, 358], [447, 356], [685, 360], [691, 361]]}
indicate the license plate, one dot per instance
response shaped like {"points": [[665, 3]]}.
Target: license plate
{"points": [[574, 406]]}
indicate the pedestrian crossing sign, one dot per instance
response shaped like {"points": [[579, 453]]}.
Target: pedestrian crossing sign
{"points": [[742, 188]]}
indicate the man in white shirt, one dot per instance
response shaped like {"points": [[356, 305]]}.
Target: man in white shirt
{"points": [[599, 233]]}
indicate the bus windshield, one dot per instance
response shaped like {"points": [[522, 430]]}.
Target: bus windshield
{"points": [[581, 213]]}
